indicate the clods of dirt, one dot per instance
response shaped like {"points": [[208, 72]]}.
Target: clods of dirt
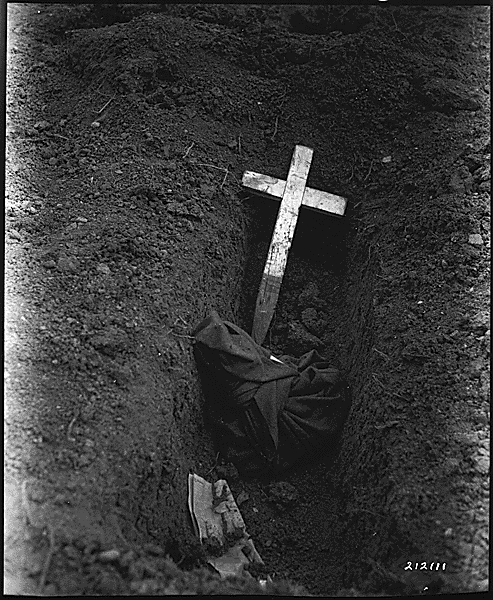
{"points": [[128, 130], [283, 494]]}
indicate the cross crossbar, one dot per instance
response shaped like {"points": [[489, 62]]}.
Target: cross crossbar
{"points": [[293, 193]]}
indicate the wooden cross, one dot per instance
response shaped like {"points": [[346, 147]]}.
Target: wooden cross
{"points": [[293, 193]]}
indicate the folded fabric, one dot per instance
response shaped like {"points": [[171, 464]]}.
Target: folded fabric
{"points": [[266, 413]]}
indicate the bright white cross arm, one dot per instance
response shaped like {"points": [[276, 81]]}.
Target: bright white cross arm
{"points": [[293, 194]]}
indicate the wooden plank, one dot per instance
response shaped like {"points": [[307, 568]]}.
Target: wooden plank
{"points": [[272, 187], [263, 184], [324, 202], [281, 241]]}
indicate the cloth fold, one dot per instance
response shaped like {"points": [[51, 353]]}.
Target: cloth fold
{"points": [[266, 413]]}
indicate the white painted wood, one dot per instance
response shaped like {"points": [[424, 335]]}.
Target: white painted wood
{"points": [[263, 184], [288, 211], [281, 241], [313, 199], [293, 194]]}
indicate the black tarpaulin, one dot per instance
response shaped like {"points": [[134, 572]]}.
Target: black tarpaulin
{"points": [[266, 412]]}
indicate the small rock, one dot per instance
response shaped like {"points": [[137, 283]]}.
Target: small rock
{"points": [[310, 296], [34, 566], [128, 558], [15, 234], [87, 413], [81, 219], [46, 152], [49, 264], [315, 321], [387, 159], [480, 322], [95, 124], [41, 125], [109, 555], [473, 161], [482, 464], [84, 460], [475, 239], [104, 269], [461, 180], [242, 497], [283, 493], [71, 552], [300, 340], [483, 173], [154, 549], [111, 341], [66, 264]]}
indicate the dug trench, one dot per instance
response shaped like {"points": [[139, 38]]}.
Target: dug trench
{"points": [[128, 224]]}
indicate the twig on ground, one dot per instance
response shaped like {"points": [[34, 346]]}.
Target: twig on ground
{"points": [[107, 103], [396, 26], [378, 381], [57, 135], [49, 556], [263, 493], [25, 502], [213, 466], [180, 319], [352, 173], [211, 166], [226, 170], [190, 337], [188, 149], [239, 143], [69, 428], [225, 176], [382, 353], [275, 128], [369, 171]]}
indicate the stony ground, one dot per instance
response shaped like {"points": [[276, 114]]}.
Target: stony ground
{"points": [[128, 129]]}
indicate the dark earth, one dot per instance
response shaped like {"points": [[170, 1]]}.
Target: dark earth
{"points": [[128, 130]]}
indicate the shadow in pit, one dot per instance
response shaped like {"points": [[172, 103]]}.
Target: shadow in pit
{"points": [[317, 259]]}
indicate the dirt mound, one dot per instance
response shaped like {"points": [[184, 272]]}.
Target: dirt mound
{"points": [[127, 138]]}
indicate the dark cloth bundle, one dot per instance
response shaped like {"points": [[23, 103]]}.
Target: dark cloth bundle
{"points": [[266, 413]]}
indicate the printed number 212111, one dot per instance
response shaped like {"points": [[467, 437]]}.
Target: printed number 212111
{"points": [[424, 566]]}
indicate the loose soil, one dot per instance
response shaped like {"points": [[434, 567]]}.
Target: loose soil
{"points": [[128, 130]]}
